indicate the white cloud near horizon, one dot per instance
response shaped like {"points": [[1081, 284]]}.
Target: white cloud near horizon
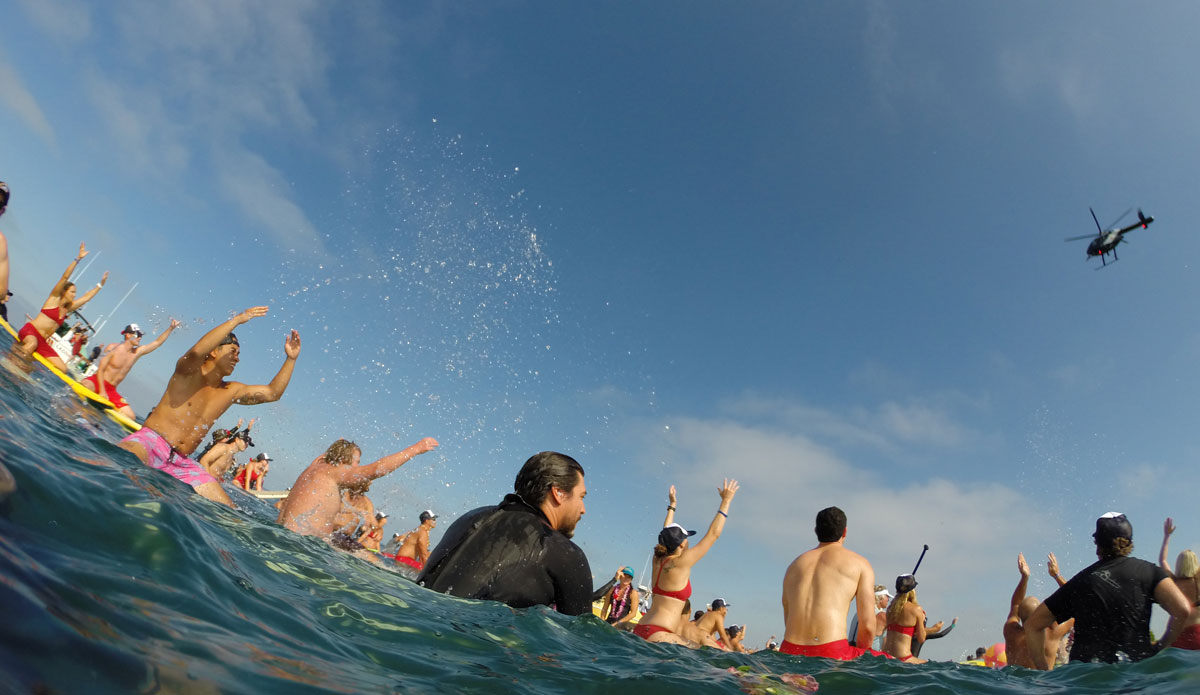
{"points": [[16, 97]]}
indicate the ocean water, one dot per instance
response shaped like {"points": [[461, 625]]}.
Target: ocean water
{"points": [[115, 578]]}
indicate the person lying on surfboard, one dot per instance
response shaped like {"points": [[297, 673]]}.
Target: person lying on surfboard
{"points": [[196, 395]]}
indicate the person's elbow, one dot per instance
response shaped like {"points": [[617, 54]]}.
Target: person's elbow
{"points": [[1040, 620]]}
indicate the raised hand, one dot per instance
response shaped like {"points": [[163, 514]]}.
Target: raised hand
{"points": [[1052, 565], [1168, 527], [252, 313], [174, 324], [252, 421], [1022, 566], [671, 496], [728, 490], [425, 445], [82, 252], [292, 345]]}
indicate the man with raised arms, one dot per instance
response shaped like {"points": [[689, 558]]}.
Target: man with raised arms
{"points": [[316, 498], [520, 551], [414, 549], [197, 394], [1019, 610], [817, 590], [118, 359]]}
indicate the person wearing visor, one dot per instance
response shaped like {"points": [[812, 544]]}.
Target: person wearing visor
{"points": [[34, 336], [1110, 601], [197, 394], [674, 557], [118, 359], [906, 622], [713, 623], [620, 605], [414, 550]]}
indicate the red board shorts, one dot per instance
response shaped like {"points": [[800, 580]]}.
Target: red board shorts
{"points": [[43, 348], [160, 455], [411, 562], [644, 630], [109, 392], [840, 650]]}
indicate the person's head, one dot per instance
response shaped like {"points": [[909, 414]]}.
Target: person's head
{"points": [[1113, 536], [240, 444], [903, 598], [553, 483], [4, 299], [1186, 565], [343, 452], [831, 525], [68, 294], [263, 460], [226, 355], [625, 576], [1027, 607], [882, 596], [734, 631], [5, 194], [133, 334], [672, 540], [381, 519], [698, 615], [720, 606], [980, 652], [428, 519]]}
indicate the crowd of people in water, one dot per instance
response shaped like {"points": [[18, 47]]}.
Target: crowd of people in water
{"points": [[520, 551]]}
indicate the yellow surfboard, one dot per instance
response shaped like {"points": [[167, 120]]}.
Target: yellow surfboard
{"points": [[88, 395]]}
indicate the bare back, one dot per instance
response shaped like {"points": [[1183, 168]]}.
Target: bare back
{"points": [[415, 545], [314, 501], [818, 589]]}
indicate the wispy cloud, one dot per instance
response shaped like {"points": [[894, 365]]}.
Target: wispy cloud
{"points": [[62, 19], [18, 99], [261, 193]]}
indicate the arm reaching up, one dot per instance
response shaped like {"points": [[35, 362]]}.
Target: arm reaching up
{"points": [[357, 475]]}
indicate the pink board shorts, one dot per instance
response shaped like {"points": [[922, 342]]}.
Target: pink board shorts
{"points": [[160, 455]]}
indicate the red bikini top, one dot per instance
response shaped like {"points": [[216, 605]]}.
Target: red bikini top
{"points": [[910, 630], [683, 594], [55, 314]]}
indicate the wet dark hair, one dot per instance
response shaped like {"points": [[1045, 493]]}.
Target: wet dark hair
{"points": [[831, 524], [698, 615], [543, 471], [1117, 547]]}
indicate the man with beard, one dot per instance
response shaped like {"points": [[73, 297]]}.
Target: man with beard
{"points": [[520, 551]]}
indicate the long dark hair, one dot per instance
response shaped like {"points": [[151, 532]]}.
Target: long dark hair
{"points": [[543, 471]]}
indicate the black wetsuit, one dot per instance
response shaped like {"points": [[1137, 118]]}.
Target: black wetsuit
{"points": [[509, 553], [1110, 602]]}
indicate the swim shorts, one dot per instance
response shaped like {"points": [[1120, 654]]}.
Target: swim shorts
{"points": [[644, 630], [840, 650], [43, 348], [109, 392], [160, 455], [1189, 638], [411, 562]]}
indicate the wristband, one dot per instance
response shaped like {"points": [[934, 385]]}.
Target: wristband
{"points": [[670, 508], [722, 513]]}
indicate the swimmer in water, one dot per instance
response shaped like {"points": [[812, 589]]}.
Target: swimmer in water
{"points": [[818, 588], [119, 359], [196, 395], [1186, 580], [316, 498], [713, 623], [906, 622], [519, 552], [1016, 647], [217, 457], [414, 549], [34, 335], [674, 558]]}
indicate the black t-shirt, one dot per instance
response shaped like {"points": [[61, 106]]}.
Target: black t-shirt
{"points": [[1110, 602], [509, 553]]}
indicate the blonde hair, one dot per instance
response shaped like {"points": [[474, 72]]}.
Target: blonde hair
{"points": [[1186, 565], [341, 452], [895, 610]]}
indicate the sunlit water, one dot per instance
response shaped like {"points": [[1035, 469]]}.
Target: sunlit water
{"points": [[116, 578]]}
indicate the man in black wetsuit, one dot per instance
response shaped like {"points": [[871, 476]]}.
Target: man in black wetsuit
{"points": [[520, 551], [1110, 601]]}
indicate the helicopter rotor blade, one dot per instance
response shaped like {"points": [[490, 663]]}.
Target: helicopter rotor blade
{"points": [[1123, 214], [1077, 238], [1098, 229]]}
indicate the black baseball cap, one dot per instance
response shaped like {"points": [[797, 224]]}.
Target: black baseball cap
{"points": [[133, 328], [719, 603], [673, 536], [1112, 525], [427, 515], [905, 583]]}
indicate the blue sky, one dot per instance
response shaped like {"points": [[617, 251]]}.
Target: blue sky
{"points": [[817, 247]]}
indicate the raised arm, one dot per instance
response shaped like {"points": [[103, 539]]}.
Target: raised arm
{"points": [[61, 285], [693, 554], [1163, 562], [1052, 565], [194, 357], [87, 296], [1019, 593], [351, 475], [157, 343], [252, 395], [670, 507]]}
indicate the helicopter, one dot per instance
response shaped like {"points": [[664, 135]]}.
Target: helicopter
{"points": [[1106, 240]]}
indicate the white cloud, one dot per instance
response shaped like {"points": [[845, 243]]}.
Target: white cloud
{"points": [[260, 192], [18, 99], [142, 133]]}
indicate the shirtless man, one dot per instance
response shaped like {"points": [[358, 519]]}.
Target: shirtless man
{"points": [[713, 622], [197, 394], [118, 359], [373, 533], [1020, 608], [414, 551], [316, 498], [817, 590]]}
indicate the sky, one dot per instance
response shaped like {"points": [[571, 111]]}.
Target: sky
{"points": [[817, 247]]}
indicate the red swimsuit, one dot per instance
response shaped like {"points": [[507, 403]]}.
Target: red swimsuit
{"points": [[644, 630], [43, 348]]}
